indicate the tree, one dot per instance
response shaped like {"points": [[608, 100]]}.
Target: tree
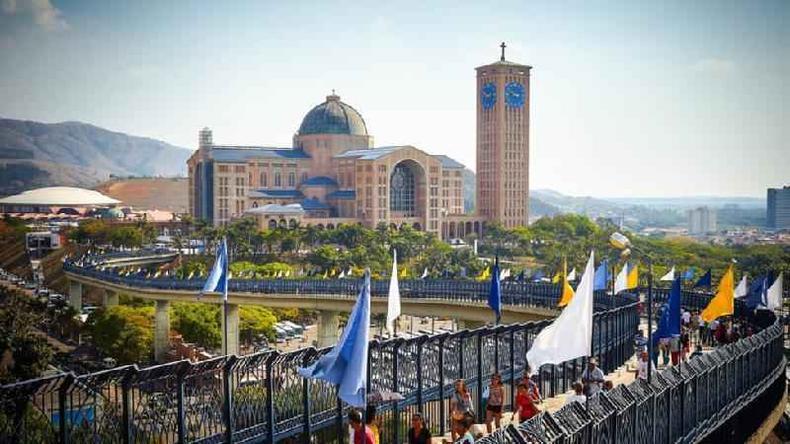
{"points": [[255, 320], [123, 333], [24, 352], [198, 323]]}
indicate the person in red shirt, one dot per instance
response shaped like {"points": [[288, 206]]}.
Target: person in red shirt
{"points": [[362, 433], [525, 404]]}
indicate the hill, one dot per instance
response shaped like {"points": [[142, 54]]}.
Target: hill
{"points": [[149, 193], [35, 154]]}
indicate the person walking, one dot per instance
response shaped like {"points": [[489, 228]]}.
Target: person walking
{"points": [[496, 396], [525, 405], [460, 405], [592, 377], [641, 366], [362, 434], [372, 422], [418, 432]]}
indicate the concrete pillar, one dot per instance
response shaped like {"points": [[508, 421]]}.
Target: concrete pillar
{"points": [[110, 298], [328, 324], [233, 329], [75, 294], [161, 330]]}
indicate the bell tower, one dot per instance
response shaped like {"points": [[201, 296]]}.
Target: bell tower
{"points": [[503, 98]]}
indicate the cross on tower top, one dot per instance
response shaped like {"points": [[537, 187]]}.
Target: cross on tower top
{"points": [[503, 46]]}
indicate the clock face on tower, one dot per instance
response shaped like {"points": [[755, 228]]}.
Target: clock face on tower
{"points": [[514, 95], [488, 95]]}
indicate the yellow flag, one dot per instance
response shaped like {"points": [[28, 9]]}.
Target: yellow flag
{"points": [[633, 278], [723, 303], [567, 290], [567, 293], [403, 273], [485, 274]]}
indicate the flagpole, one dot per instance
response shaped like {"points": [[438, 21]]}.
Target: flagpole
{"points": [[225, 298]]}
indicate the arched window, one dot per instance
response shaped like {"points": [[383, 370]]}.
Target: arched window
{"points": [[291, 179], [272, 224], [277, 180], [304, 177], [264, 179], [402, 190]]}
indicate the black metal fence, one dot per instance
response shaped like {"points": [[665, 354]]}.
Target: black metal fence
{"points": [[262, 397], [722, 396]]}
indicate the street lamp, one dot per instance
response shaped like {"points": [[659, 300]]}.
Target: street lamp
{"points": [[621, 242]]}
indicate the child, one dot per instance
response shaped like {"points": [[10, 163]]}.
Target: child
{"points": [[525, 404], [461, 428]]}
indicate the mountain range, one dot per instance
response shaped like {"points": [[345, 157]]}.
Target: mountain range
{"points": [[35, 154]]}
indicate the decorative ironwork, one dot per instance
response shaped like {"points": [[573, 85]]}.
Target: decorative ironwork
{"points": [[260, 397]]}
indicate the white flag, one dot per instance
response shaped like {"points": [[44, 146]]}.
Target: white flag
{"points": [[669, 276], [743, 288], [504, 274], [424, 273], [572, 275], [342, 274], [570, 335], [393, 299], [774, 294], [621, 282]]}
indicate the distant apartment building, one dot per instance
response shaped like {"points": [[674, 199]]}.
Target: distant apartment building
{"points": [[778, 216], [701, 220]]}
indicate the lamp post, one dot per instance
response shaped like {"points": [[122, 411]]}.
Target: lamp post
{"points": [[621, 242]]}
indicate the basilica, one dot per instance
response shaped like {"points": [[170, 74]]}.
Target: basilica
{"points": [[335, 174]]}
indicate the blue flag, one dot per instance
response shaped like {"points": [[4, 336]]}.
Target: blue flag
{"points": [[521, 276], [495, 294], [756, 292], [689, 274], [218, 278], [704, 281], [674, 309], [602, 276], [538, 276], [662, 329], [347, 364]]}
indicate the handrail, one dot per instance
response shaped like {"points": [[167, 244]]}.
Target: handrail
{"points": [[262, 397]]}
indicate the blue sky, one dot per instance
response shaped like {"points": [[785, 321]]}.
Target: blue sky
{"points": [[628, 98]]}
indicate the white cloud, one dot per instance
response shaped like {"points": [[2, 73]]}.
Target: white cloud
{"points": [[714, 66], [44, 14]]}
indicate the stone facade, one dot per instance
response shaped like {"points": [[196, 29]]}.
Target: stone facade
{"points": [[333, 174]]}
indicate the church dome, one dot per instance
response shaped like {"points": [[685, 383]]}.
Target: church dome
{"points": [[333, 117]]}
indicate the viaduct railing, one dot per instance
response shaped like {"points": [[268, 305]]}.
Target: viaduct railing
{"points": [[722, 396], [261, 397]]}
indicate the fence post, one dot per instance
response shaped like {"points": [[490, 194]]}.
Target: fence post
{"points": [[306, 399], [126, 409], [62, 430], [512, 368], [227, 406], [420, 342], [395, 410], [480, 412], [442, 417], [181, 426], [270, 396]]}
